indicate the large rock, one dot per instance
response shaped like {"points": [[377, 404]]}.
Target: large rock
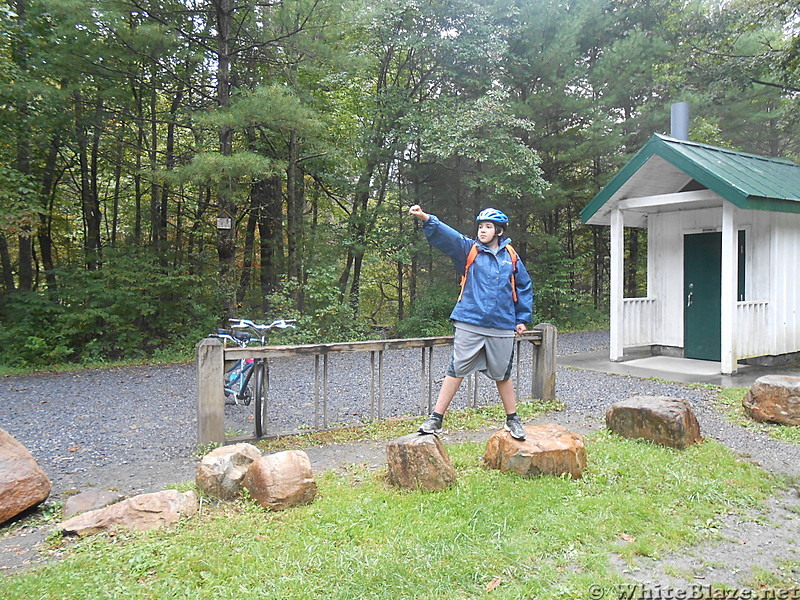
{"points": [[774, 398], [659, 419], [89, 500], [23, 483], [278, 481], [548, 449], [419, 462], [221, 471], [140, 513]]}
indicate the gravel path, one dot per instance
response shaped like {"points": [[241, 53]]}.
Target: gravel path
{"points": [[134, 428]]}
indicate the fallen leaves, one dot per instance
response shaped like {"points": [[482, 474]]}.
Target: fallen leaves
{"points": [[492, 585]]}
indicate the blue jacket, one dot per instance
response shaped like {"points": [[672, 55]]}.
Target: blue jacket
{"points": [[487, 299]]}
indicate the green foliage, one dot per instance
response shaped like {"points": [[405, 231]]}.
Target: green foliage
{"points": [[543, 537], [113, 134], [214, 168], [556, 300], [325, 316], [430, 313], [18, 207], [485, 132], [134, 306]]}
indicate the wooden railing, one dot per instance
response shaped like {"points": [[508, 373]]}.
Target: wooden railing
{"points": [[212, 355]]}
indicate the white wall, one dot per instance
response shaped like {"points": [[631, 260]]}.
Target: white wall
{"points": [[785, 283], [665, 263]]}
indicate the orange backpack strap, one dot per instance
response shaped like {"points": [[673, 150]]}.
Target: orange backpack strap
{"points": [[514, 257], [473, 252]]}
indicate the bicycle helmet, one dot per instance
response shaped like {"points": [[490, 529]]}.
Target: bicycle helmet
{"points": [[493, 215]]}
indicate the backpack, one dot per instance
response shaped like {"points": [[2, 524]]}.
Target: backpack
{"points": [[473, 252]]}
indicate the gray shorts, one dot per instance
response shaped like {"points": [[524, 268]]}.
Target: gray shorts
{"points": [[493, 356]]}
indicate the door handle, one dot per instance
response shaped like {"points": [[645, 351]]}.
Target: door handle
{"points": [[689, 300]]}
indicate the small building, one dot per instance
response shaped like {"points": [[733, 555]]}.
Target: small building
{"points": [[723, 253]]}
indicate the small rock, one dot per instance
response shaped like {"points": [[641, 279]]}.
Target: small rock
{"points": [[548, 449], [419, 462], [23, 483], [221, 471], [89, 500], [278, 481], [659, 419], [140, 513], [774, 398]]}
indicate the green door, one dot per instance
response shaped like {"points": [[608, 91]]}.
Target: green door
{"points": [[702, 280]]}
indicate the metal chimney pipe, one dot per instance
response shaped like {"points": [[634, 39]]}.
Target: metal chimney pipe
{"points": [[679, 121]]}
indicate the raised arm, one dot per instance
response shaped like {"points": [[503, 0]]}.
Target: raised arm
{"points": [[417, 211]]}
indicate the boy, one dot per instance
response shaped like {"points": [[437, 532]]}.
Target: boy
{"points": [[496, 302]]}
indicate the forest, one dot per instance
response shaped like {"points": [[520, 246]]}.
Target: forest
{"points": [[167, 164]]}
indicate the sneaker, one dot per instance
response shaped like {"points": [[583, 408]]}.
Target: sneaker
{"points": [[515, 428], [432, 424]]}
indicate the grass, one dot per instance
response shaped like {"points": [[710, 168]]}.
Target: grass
{"points": [[544, 538], [467, 419], [730, 402]]}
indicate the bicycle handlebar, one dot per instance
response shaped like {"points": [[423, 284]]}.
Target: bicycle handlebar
{"points": [[242, 338], [278, 324]]}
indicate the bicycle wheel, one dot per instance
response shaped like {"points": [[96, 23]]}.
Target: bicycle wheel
{"points": [[259, 394]]}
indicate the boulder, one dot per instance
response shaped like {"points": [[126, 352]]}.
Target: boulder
{"points": [[774, 398], [23, 483], [659, 419], [418, 461], [140, 513], [89, 500], [548, 449], [278, 481], [221, 471]]}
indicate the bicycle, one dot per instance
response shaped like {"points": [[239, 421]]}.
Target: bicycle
{"points": [[244, 380]]}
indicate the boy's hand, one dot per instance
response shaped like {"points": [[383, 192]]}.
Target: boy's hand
{"points": [[418, 212], [521, 328]]}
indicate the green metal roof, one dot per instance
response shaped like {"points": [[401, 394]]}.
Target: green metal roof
{"points": [[748, 181]]}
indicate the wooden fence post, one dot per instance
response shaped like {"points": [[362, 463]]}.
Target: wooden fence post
{"points": [[210, 391], [543, 363]]}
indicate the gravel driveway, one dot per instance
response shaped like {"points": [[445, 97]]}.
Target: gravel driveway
{"points": [[134, 428]]}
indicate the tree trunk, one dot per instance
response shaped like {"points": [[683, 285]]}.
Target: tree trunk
{"points": [[94, 228], [90, 211], [19, 52], [118, 158], [358, 228], [249, 243], [137, 172], [268, 195], [5, 262], [203, 203], [226, 235], [294, 216], [156, 234], [47, 194]]}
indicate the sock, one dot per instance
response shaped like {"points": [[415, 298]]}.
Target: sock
{"points": [[511, 416], [437, 415]]}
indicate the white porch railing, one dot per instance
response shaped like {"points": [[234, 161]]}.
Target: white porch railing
{"points": [[639, 321], [752, 333]]}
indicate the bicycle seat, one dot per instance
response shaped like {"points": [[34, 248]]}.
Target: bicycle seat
{"points": [[242, 336]]}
